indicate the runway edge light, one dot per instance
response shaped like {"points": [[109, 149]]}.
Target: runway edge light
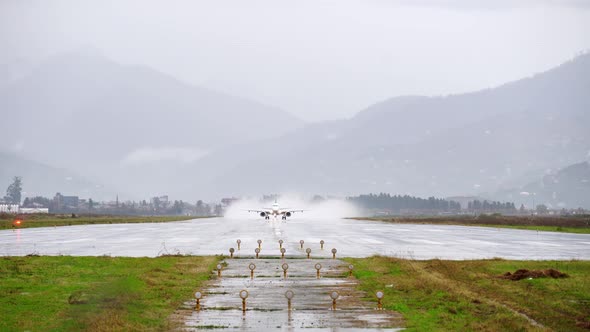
{"points": [[244, 295], [318, 267], [252, 267], [334, 295], [379, 296], [198, 297], [289, 294]]}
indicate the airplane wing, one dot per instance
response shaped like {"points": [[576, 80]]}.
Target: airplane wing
{"points": [[290, 211], [259, 211]]}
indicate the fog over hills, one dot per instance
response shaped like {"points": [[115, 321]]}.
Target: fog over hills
{"points": [[84, 112], [460, 144], [91, 105], [44, 180], [142, 132], [566, 188]]}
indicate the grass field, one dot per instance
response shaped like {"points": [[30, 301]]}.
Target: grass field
{"points": [[43, 220], [440, 295], [96, 293], [578, 224], [139, 294]]}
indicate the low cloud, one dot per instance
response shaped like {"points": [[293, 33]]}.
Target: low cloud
{"points": [[147, 155], [494, 4]]}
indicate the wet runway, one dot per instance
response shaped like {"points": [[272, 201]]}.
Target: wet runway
{"points": [[352, 238]]}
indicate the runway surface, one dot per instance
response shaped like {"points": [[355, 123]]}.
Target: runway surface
{"points": [[352, 238]]}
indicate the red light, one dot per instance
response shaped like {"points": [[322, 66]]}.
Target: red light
{"points": [[17, 222]]}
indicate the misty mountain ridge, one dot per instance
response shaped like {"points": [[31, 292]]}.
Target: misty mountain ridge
{"points": [[44, 180], [566, 188], [103, 113], [137, 128], [461, 144], [438, 114]]}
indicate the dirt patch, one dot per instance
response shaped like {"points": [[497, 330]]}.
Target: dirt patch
{"points": [[583, 324], [525, 274]]}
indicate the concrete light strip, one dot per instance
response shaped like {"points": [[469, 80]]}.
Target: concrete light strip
{"points": [[267, 306]]}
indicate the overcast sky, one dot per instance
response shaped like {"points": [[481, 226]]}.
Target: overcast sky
{"points": [[318, 59]]}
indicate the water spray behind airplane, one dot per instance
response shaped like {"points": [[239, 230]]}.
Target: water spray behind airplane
{"points": [[325, 210], [275, 210]]}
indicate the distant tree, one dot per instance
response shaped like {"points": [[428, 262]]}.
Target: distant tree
{"points": [[542, 209], [177, 207], [455, 206], [156, 202], [26, 202], [90, 204], [218, 210], [14, 190], [201, 209]]}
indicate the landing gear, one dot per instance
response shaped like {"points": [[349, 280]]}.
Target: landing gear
{"points": [[267, 218], [284, 218]]}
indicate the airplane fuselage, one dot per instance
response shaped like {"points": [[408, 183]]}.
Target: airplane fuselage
{"points": [[275, 211]]}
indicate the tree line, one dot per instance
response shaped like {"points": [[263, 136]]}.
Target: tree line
{"points": [[405, 203], [491, 206], [153, 207]]}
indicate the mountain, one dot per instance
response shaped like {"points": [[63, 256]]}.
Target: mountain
{"points": [[151, 134], [43, 180], [567, 188], [460, 144], [124, 123]]}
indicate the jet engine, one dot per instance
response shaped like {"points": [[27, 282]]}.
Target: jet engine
{"points": [[263, 214], [288, 214]]}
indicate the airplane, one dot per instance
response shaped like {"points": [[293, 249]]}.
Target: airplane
{"points": [[275, 211]]}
